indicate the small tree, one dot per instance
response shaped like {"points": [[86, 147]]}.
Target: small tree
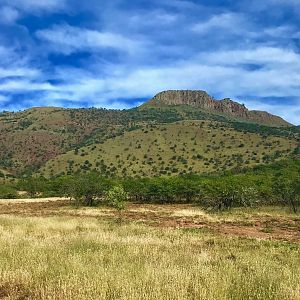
{"points": [[224, 193], [136, 188], [186, 188], [84, 189], [287, 188], [33, 185], [7, 192], [117, 198]]}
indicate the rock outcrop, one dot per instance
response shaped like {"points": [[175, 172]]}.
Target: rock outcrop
{"points": [[228, 107]]}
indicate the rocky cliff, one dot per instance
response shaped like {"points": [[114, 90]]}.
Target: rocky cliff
{"points": [[228, 107]]}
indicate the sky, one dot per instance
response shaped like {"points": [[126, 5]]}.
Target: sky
{"points": [[119, 53]]}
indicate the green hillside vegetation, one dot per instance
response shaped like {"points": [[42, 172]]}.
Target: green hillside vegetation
{"points": [[182, 147], [30, 138], [274, 184]]}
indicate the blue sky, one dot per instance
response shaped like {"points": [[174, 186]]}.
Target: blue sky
{"points": [[117, 54]]}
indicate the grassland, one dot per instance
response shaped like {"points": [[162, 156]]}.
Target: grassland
{"points": [[51, 250], [175, 148]]}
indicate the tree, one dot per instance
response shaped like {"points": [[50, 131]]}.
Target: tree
{"points": [[117, 198], [187, 188], [85, 189], [7, 192], [161, 190], [287, 187], [33, 185], [136, 188], [219, 193], [229, 191]]}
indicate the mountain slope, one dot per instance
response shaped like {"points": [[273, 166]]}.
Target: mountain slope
{"points": [[175, 148], [227, 107], [30, 138]]}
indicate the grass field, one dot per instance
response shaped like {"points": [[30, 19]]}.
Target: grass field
{"points": [[51, 250]]}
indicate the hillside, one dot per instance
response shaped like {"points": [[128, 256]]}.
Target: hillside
{"points": [[176, 148], [41, 137], [31, 137]]}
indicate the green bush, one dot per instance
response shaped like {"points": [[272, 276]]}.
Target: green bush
{"points": [[227, 192], [117, 197], [85, 189], [8, 192], [286, 187]]}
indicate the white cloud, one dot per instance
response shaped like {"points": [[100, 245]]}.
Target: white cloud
{"points": [[221, 73], [68, 39], [23, 85], [8, 56], [8, 15], [260, 55], [35, 5], [4, 99], [19, 72], [12, 64], [161, 52], [231, 22], [154, 18], [226, 80], [283, 31]]}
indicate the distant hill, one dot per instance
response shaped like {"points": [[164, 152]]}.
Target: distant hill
{"points": [[214, 137], [31, 137]]}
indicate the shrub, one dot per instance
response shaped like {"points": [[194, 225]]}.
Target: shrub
{"points": [[117, 198], [33, 185], [287, 188], [7, 192], [226, 192], [85, 189]]}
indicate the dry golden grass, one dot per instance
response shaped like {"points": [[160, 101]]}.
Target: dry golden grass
{"points": [[31, 200], [87, 257]]}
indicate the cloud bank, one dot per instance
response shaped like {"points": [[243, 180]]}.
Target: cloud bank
{"points": [[117, 54]]}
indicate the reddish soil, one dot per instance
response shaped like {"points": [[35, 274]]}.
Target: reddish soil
{"points": [[265, 227]]}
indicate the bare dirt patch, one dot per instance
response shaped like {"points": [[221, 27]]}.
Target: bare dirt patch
{"points": [[263, 226]]}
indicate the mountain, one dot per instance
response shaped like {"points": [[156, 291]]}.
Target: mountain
{"points": [[227, 107], [184, 133]]}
